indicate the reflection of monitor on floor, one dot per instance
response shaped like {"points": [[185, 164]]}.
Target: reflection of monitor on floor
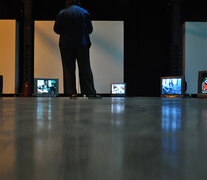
{"points": [[173, 86], [118, 89], [202, 84], [45, 87]]}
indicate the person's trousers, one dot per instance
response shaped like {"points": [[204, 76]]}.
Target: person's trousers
{"points": [[69, 57]]}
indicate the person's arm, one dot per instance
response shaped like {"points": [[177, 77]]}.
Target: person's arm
{"points": [[57, 26], [89, 24]]}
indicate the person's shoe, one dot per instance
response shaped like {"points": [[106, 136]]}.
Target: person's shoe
{"points": [[73, 96], [94, 96]]}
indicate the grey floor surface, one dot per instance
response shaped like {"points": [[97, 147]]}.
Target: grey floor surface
{"points": [[103, 139]]}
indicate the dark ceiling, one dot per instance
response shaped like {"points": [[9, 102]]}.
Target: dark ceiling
{"points": [[115, 9]]}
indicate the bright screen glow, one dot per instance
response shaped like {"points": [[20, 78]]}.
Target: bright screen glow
{"points": [[172, 86], [204, 84], [46, 87], [118, 88]]}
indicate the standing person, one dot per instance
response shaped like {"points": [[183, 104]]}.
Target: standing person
{"points": [[74, 25]]}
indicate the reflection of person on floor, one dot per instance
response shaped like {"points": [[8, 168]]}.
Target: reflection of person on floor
{"points": [[74, 26]]}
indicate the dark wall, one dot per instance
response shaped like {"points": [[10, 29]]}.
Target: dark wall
{"points": [[194, 10], [147, 33], [11, 9], [147, 48]]}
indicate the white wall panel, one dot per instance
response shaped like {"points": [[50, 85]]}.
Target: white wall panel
{"points": [[8, 54], [195, 53], [107, 53]]}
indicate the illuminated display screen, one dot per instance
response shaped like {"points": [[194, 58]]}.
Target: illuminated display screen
{"points": [[204, 83], [172, 86], [46, 87], [118, 89]]}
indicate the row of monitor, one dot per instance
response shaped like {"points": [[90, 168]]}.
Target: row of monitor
{"points": [[49, 87], [171, 86], [176, 86]]}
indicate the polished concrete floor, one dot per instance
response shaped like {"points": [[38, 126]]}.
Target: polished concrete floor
{"points": [[103, 139]]}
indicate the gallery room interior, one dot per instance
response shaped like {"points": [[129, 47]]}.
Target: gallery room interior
{"points": [[148, 116]]}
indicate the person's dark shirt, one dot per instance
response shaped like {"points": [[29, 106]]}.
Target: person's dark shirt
{"points": [[74, 26]]}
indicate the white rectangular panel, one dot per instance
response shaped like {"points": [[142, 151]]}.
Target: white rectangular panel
{"points": [[8, 54], [195, 53]]}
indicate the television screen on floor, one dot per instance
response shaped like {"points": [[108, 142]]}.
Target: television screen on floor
{"points": [[118, 89], [172, 86], [202, 84], [45, 87]]}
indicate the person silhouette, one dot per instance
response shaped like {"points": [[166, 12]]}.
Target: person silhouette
{"points": [[74, 26]]}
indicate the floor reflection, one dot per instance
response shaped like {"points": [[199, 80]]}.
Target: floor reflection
{"points": [[171, 136], [44, 114], [171, 117], [204, 118], [47, 141], [7, 148], [24, 139], [111, 138], [117, 110], [73, 162]]}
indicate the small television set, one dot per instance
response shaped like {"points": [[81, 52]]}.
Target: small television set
{"points": [[202, 84], [173, 86], [118, 89], [45, 87]]}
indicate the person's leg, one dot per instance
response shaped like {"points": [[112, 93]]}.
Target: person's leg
{"points": [[85, 72], [68, 63]]}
